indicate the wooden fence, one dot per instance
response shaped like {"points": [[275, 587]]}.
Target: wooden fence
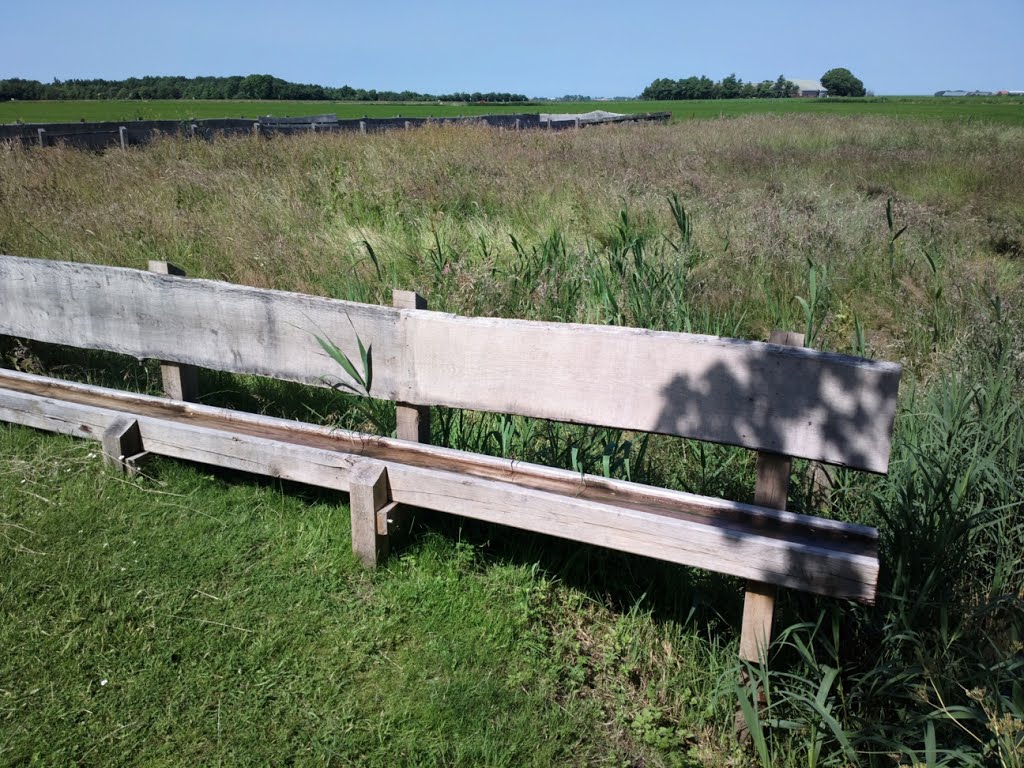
{"points": [[781, 401]]}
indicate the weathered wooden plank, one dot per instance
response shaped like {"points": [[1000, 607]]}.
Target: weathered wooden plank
{"points": [[814, 405], [758, 615], [203, 323], [798, 402], [750, 542], [533, 476], [738, 551]]}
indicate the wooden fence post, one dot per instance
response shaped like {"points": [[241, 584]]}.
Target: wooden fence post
{"points": [[122, 446], [41, 132], [771, 491], [413, 421], [371, 506], [181, 382]]}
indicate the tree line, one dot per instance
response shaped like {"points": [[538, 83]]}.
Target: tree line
{"points": [[235, 87], [730, 87]]}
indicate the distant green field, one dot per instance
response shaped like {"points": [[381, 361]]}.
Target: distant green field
{"points": [[996, 109], [1001, 109]]}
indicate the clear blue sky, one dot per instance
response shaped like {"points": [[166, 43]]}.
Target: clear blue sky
{"points": [[593, 47]]}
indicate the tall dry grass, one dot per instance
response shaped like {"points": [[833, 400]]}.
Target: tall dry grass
{"points": [[766, 196]]}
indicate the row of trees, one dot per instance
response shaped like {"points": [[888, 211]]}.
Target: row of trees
{"points": [[730, 87], [838, 81], [237, 87]]}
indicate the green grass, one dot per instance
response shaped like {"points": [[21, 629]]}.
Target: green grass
{"points": [[185, 618], [474, 637], [74, 111], [1008, 110]]}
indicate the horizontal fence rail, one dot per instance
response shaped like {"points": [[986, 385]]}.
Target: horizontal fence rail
{"points": [[766, 545], [798, 402]]}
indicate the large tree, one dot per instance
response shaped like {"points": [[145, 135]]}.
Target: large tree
{"points": [[841, 82]]}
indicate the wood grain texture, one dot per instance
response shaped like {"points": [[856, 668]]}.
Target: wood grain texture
{"points": [[605, 490], [768, 546], [199, 322], [767, 397], [798, 402]]}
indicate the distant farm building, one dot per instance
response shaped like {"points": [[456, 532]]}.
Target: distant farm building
{"points": [[809, 89], [972, 93]]}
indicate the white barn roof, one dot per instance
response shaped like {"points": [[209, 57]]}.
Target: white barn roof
{"points": [[807, 85]]}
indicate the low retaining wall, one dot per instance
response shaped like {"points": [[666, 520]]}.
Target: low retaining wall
{"points": [[130, 133], [100, 136]]}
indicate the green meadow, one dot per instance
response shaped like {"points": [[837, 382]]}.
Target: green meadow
{"points": [[192, 616], [1002, 109]]}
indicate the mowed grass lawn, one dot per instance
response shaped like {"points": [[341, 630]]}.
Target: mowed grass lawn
{"points": [[1003, 109], [191, 619]]}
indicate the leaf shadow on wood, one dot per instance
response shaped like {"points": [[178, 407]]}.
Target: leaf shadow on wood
{"points": [[791, 401], [826, 407]]}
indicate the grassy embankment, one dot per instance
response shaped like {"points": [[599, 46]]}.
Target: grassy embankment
{"points": [[1002, 109], [188, 617]]}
